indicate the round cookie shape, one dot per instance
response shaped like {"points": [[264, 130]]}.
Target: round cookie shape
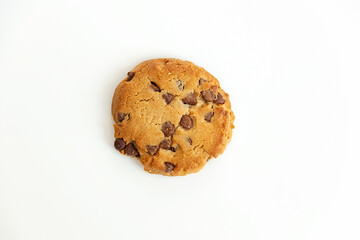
{"points": [[172, 115]]}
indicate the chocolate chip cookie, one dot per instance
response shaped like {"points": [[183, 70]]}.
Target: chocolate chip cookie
{"points": [[172, 115]]}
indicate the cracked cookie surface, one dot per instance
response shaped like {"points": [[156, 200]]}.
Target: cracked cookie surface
{"points": [[172, 115]]}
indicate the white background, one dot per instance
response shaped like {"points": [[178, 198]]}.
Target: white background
{"points": [[291, 69]]}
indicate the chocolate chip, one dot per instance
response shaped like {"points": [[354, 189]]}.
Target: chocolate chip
{"points": [[168, 97], [155, 87], [190, 99], [130, 75], [180, 84], [165, 144], [131, 150], [186, 122], [121, 116], [201, 80], [208, 96], [168, 129], [152, 150], [219, 99], [209, 116], [119, 144], [189, 140], [169, 166], [172, 149]]}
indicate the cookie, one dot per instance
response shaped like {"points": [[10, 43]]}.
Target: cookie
{"points": [[172, 115]]}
